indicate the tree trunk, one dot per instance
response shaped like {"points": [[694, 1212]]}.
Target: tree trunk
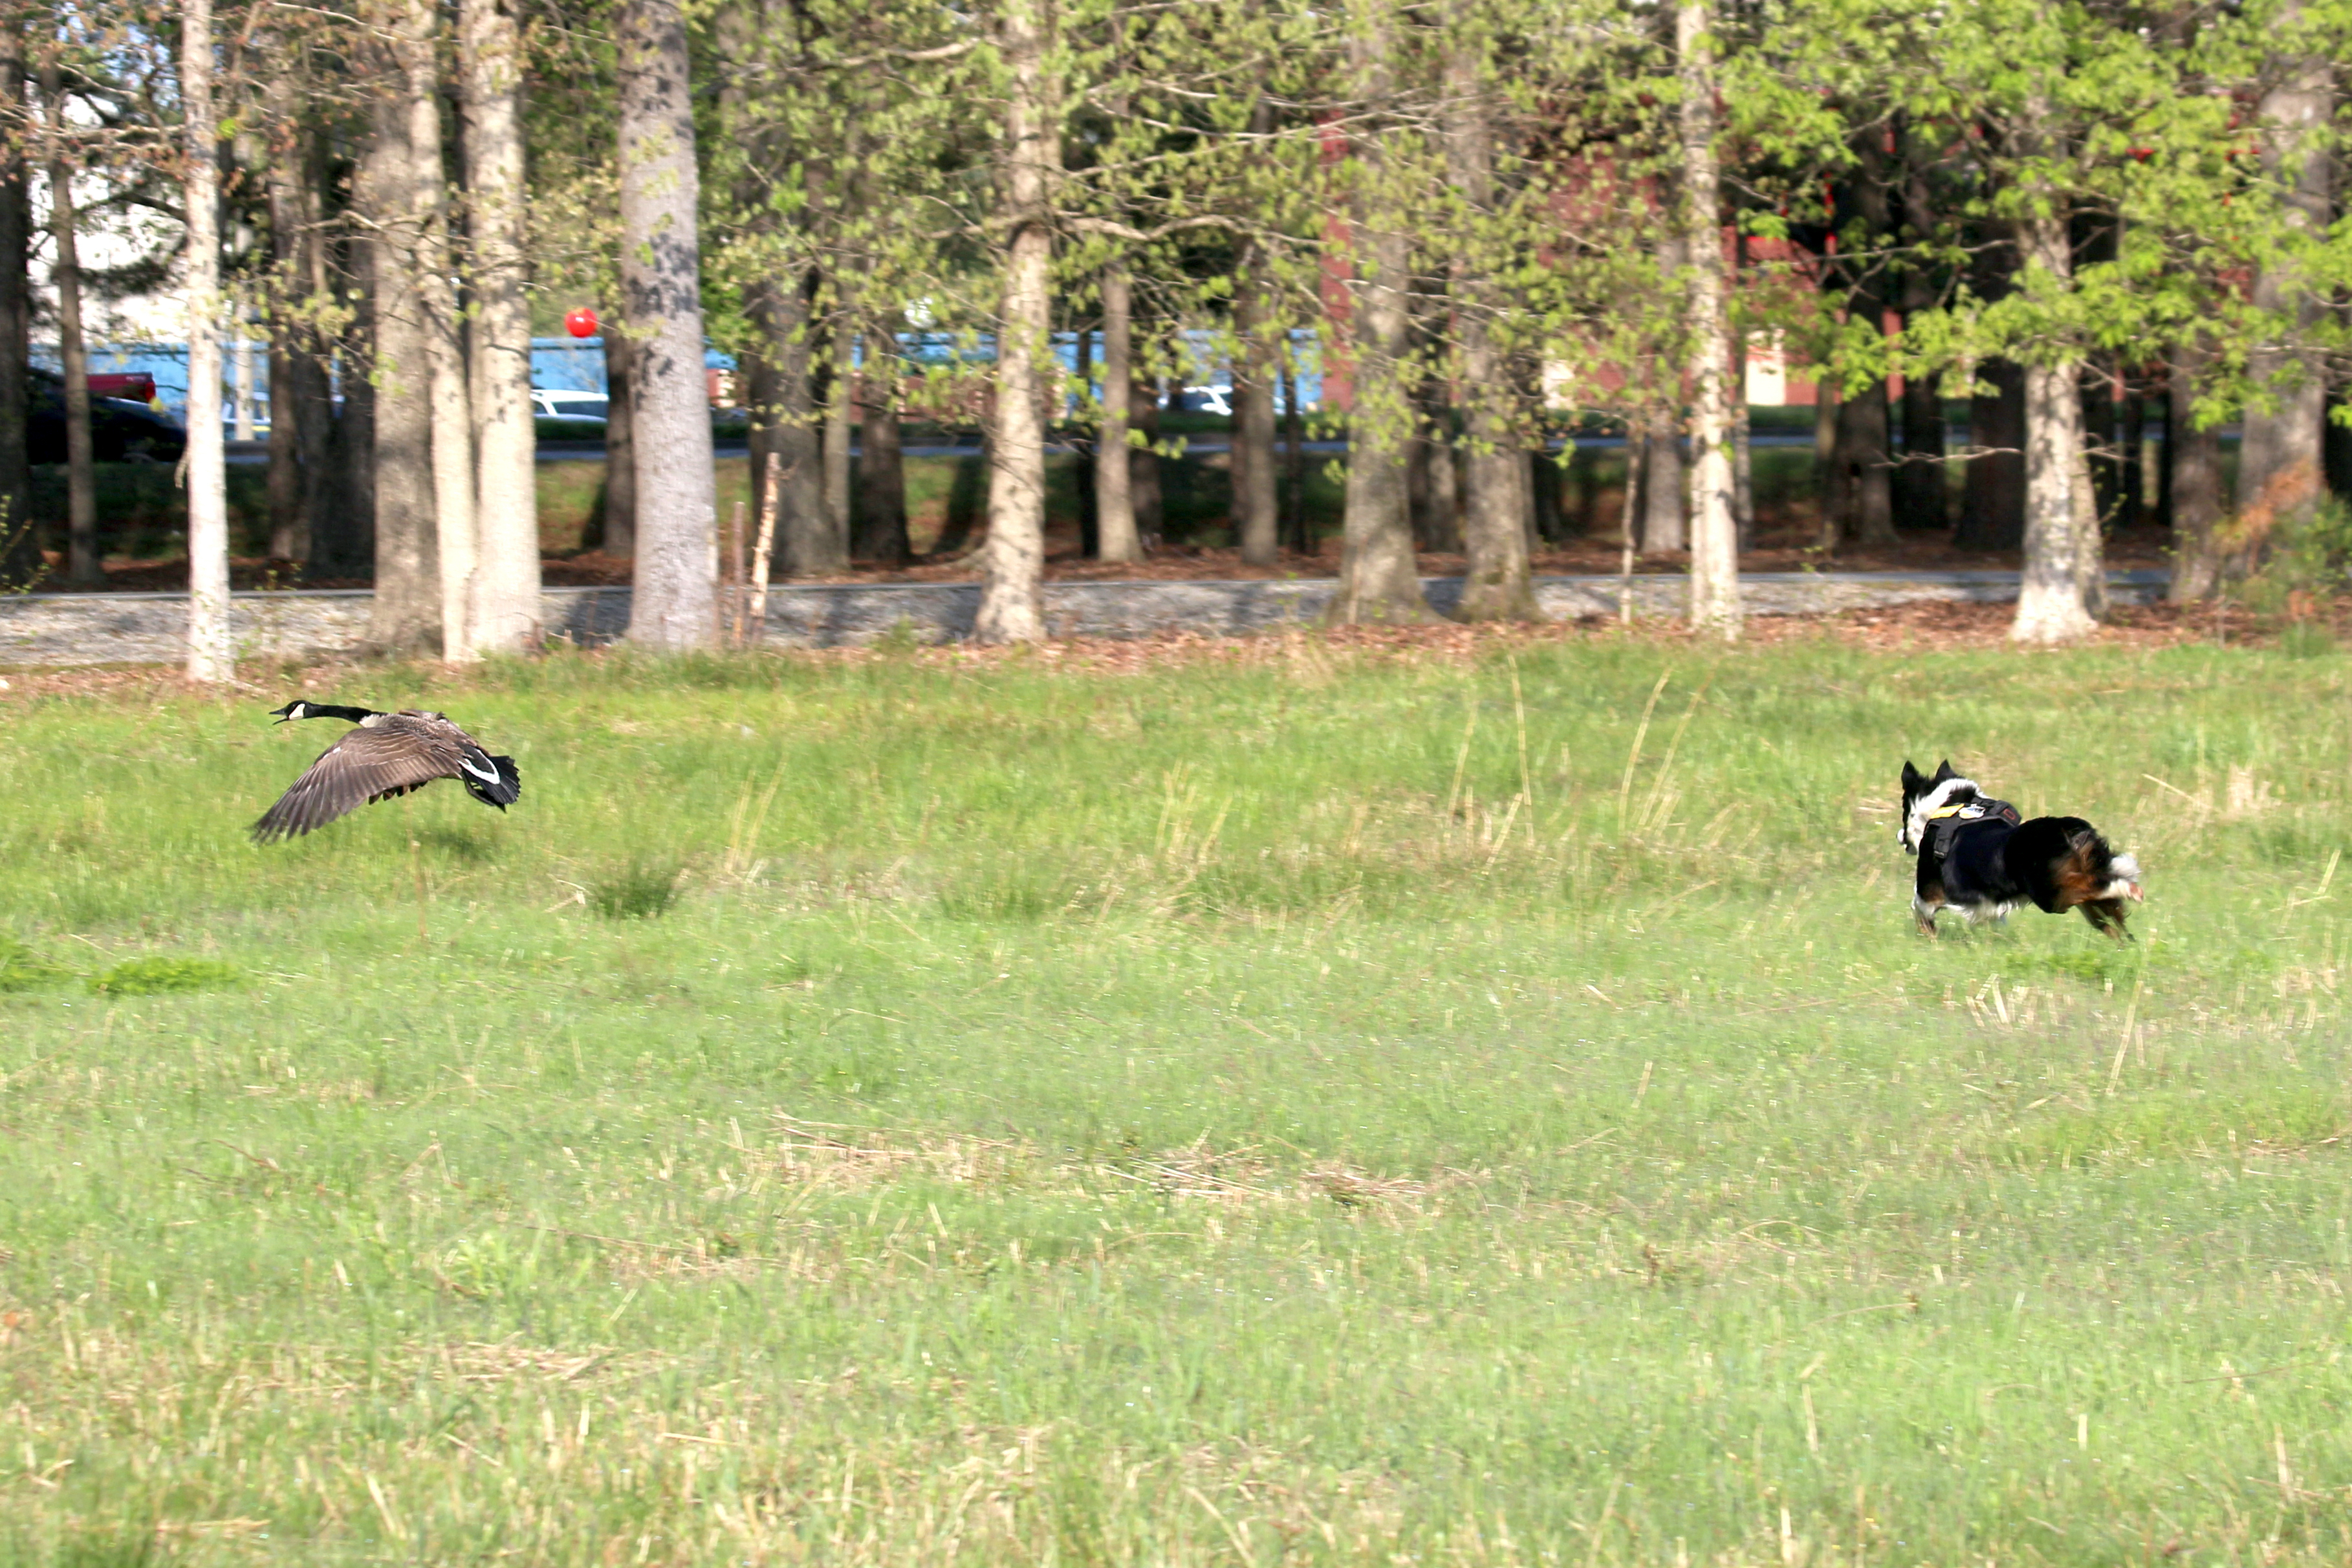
{"points": [[300, 404], [1664, 480], [1257, 514], [881, 464], [1082, 378], [450, 404], [212, 654], [1496, 581], [1863, 452], [20, 554], [1441, 470], [2195, 478], [506, 601], [2051, 606], [1294, 460], [1864, 444], [342, 545], [1992, 505], [840, 422], [1919, 496], [1379, 578], [1922, 498], [675, 603], [1115, 532], [966, 493], [1992, 509], [1011, 594], [2281, 480], [783, 422], [2100, 450], [1143, 491], [85, 567], [405, 617], [2133, 462], [300, 410], [1665, 483], [1714, 531], [619, 504], [2090, 530], [289, 523], [1829, 472], [1743, 459]]}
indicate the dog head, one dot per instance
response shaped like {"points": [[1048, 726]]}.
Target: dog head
{"points": [[1922, 794]]}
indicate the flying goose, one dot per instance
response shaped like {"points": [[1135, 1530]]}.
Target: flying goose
{"points": [[388, 754]]}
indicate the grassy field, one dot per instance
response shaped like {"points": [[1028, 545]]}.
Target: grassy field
{"points": [[1315, 1106]]}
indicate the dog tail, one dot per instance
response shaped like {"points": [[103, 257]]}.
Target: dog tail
{"points": [[2090, 876]]}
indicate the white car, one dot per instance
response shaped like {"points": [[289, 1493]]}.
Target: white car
{"points": [[569, 405], [1214, 400]]}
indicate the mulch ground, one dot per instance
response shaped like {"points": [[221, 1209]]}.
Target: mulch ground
{"points": [[1187, 563], [1896, 629]]}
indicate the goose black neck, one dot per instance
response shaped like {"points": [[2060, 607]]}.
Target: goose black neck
{"points": [[300, 709]]}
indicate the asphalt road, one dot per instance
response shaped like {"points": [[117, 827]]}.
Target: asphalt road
{"points": [[570, 453]]}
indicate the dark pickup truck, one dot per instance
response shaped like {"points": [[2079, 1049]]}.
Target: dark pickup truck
{"points": [[120, 431]]}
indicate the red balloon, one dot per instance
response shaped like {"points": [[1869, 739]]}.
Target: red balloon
{"points": [[581, 323]]}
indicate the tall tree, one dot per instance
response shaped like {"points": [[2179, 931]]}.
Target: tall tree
{"points": [[1497, 584], [449, 408], [882, 474], [2280, 476], [2193, 449], [20, 554], [619, 504], [1378, 576], [1665, 482], [1714, 535], [1257, 517], [1116, 538], [674, 605], [406, 614], [84, 568], [2051, 606], [211, 657], [1012, 597], [503, 613], [300, 401]]}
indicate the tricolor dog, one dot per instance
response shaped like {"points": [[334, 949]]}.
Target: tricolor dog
{"points": [[1977, 857]]}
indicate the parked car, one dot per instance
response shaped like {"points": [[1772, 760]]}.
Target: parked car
{"points": [[570, 405], [1214, 400], [120, 431]]}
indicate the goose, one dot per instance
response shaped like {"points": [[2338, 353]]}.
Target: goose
{"points": [[388, 754]]}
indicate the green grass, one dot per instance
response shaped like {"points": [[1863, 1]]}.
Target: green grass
{"points": [[1308, 1107]]}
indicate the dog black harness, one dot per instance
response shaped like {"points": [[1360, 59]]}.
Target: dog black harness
{"points": [[1945, 826]]}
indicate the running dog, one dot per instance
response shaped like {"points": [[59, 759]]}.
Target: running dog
{"points": [[1978, 858]]}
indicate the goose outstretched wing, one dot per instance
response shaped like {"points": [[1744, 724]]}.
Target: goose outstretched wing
{"points": [[389, 758]]}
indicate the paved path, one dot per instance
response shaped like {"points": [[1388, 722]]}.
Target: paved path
{"points": [[64, 629]]}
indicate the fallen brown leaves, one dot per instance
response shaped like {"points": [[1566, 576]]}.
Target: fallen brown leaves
{"points": [[1927, 625]]}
